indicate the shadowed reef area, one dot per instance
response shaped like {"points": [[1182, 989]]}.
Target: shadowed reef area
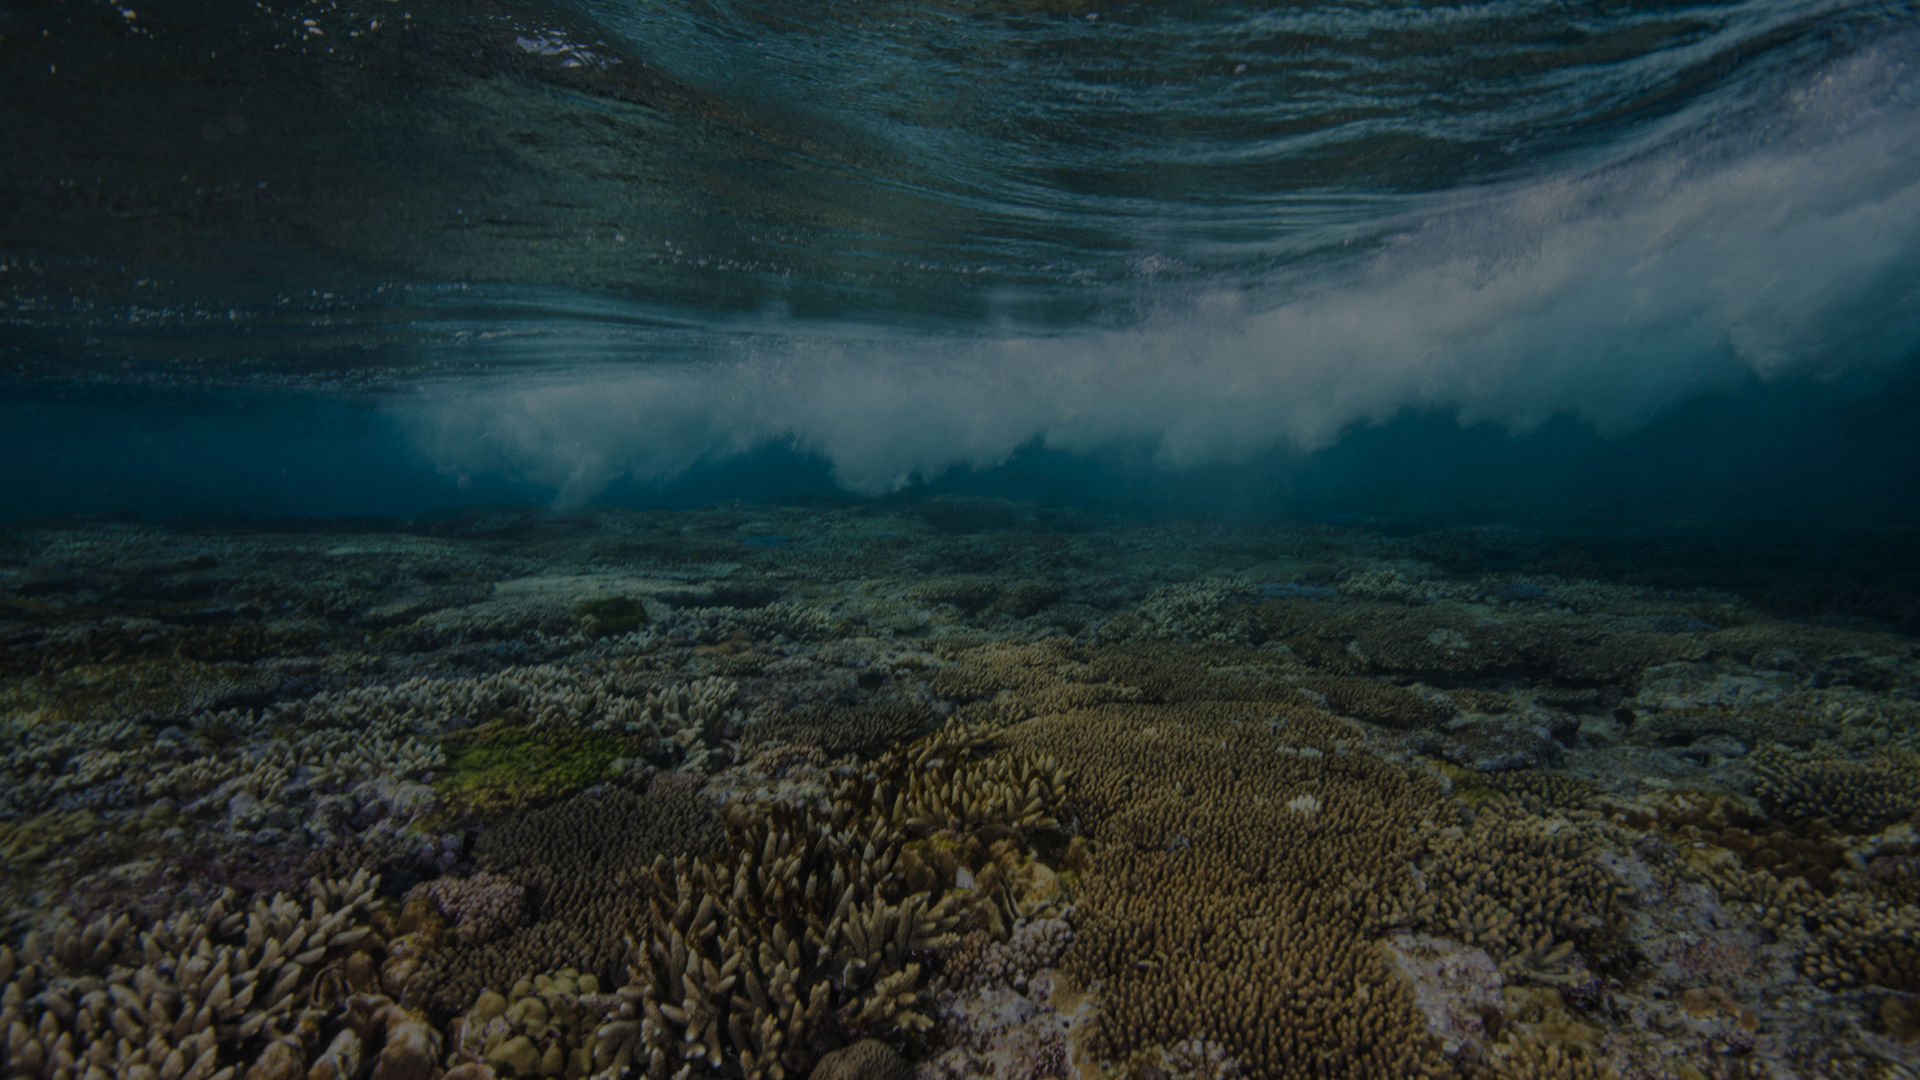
{"points": [[954, 750], [959, 787]]}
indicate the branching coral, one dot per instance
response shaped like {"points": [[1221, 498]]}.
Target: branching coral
{"points": [[1213, 910], [869, 727], [1528, 891], [708, 625], [1854, 795], [1523, 1056], [803, 933], [1375, 701], [586, 866], [186, 997]]}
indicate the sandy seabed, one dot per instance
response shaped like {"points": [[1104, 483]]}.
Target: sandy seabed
{"points": [[955, 788]]}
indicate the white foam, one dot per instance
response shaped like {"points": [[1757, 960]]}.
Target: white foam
{"points": [[1611, 297]]}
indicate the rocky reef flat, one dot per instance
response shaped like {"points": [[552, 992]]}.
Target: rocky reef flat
{"points": [[950, 788]]}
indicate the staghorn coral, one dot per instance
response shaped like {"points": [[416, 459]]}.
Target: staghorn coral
{"points": [[969, 594], [1862, 941], [1781, 711], [1527, 890], [586, 866], [185, 998], [1478, 700], [711, 625], [977, 671], [163, 688], [1056, 676], [800, 934], [1545, 791], [416, 679], [616, 696], [1854, 795], [1411, 583], [1846, 929], [1521, 1055], [27, 842], [868, 727], [371, 742], [1375, 701], [1448, 643], [371, 1035], [50, 761], [1197, 610], [1729, 825]]}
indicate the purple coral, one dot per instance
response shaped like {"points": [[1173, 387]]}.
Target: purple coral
{"points": [[481, 907], [1047, 1059]]}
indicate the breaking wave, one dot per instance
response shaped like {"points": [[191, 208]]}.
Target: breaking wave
{"points": [[1789, 247]]}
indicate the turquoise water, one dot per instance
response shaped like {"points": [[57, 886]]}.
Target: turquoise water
{"points": [[575, 252], [1163, 540]]}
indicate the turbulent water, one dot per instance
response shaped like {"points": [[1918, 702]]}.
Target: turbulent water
{"points": [[1012, 539], [576, 250]]}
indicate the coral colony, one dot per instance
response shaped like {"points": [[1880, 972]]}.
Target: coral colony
{"points": [[645, 794]]}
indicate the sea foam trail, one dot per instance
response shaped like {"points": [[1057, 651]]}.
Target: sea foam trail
{"points": [[1792, 249]]}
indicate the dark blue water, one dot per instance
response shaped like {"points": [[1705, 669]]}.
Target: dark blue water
{"points": [[1347, 538], [1209, 258]]}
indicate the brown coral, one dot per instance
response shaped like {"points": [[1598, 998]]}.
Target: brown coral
{"points": [[1525, 889], [482, 907], [1375, 701], [1238, 854], [1854, 795], [183, 997], [585, 865], [1522, 1055], [801, 933], [867, 728]]}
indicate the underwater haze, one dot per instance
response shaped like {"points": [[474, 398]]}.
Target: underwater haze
{"points": [[578, 252], [959, 538]]}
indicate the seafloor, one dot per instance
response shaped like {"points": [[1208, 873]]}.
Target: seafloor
{"points": [[955, 788]]}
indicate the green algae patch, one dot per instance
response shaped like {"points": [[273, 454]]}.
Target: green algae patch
{"points": [[501, 766], [612, 616]]}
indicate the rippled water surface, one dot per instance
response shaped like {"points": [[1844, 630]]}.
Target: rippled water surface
{"points": [[578, 243], [1007, 539]]}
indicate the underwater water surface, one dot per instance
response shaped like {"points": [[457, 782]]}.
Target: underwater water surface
{"points": [[1006, 539]]}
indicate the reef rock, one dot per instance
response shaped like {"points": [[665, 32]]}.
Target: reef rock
{"points": [[1500, 743]]}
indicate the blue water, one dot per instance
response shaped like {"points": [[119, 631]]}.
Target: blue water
{"points": [[1415, 503], [1192, 258]]}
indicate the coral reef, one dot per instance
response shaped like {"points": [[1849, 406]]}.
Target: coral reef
{"points": [[810, 914], [481, 907], [543, 1026], [868, 1059], [771, 791], [1214, 910], [1529, 890], [868, 727], [1855, 795], [186, 997], [584, 865]]}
